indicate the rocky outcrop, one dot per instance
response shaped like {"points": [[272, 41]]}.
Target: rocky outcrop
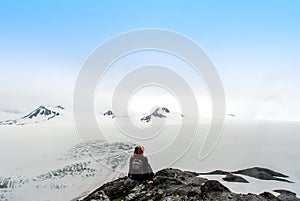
{"points": [[255, 172], [174, 184], [263, 173], [287, 195], [235, 178]]}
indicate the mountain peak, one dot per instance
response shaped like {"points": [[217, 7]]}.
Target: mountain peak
{"points": [[40, 114], [43, 111], [59, 107], [109, 113], [165, 109], [48, 107], [159, 112]]}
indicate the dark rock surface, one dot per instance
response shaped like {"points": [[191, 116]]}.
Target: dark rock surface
{"points": [[174, 184], [255, 172], [235, 178], [263, 173], [269, 196], [287, 195], [216, 172]]}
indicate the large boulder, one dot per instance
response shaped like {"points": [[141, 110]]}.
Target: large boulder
{"points": [[286, 195], [235, 178]]}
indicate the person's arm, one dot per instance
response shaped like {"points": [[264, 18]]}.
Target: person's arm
{"points": [[151, 174], [145, 165], [147, 169]]}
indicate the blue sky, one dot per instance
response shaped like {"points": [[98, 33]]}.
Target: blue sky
{"points": [[63, 30], [251, 42]]}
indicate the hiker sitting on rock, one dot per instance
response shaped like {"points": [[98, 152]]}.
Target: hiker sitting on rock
{"points": [[139, 168]]}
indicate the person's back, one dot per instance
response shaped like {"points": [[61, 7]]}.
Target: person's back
{"points": [[139, 167]]}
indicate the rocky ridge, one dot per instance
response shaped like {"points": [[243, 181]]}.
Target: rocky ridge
{"points": [[174, 184]]}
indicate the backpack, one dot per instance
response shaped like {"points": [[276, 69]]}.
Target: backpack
{"points": [[137, 166]]}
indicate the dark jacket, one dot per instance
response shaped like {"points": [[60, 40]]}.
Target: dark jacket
{"points": [[146, 170]]}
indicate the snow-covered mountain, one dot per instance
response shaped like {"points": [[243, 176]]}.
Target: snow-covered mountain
{"points": [[41, 114], [160, 112], [109, 113]]}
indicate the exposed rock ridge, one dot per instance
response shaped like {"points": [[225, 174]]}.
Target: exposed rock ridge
{"points": [[174, 184]]}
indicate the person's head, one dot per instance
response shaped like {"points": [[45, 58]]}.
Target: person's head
{"points": [[139, 150]]}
